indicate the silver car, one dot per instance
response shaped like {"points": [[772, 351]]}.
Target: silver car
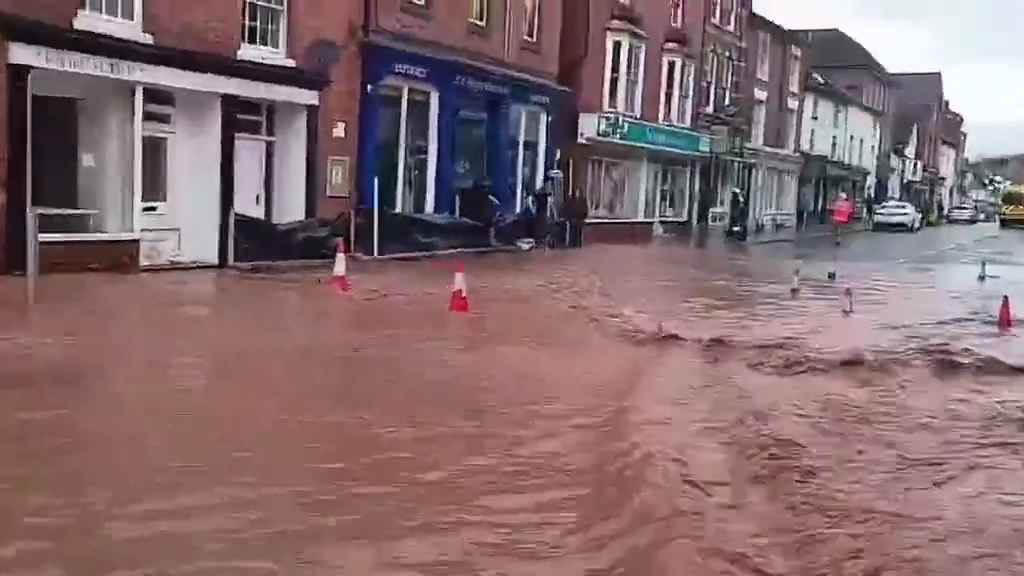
{"points": [[962, 214], [902, 215]]}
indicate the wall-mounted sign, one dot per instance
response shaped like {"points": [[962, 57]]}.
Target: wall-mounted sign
{"points": [[338, 168], [629, 131], [410, 70], [340, 130], [477, 85]]}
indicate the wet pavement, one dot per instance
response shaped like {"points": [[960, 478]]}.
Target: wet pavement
{"points": [[618, 410]]}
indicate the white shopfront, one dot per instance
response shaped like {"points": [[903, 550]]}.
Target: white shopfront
{"points": [[120, 150]]}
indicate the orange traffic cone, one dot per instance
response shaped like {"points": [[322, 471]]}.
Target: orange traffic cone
{"points": [[339, 278], [460, 297], [1005, 316]]}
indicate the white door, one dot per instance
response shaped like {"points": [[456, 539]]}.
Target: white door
{"points": [[250, 177]]}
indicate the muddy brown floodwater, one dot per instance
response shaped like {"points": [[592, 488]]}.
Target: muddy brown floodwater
{"points": [[624, 411]]}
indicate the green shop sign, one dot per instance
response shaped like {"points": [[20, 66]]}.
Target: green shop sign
{"points": [[614, 127]]}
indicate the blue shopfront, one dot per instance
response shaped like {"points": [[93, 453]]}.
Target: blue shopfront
{"points": [[433, 131]]}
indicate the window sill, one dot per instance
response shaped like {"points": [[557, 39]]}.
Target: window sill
{"points": [[478, 28], [264, 56], [91, 22], [90, 237], [531, 45]]}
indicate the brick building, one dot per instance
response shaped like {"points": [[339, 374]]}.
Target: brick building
{"points": [[458, 100], [634, 71], [919, 102], [773, 91], [162, 133]]}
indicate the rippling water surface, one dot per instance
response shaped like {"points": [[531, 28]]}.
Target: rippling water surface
{"points": [[617, 411]]}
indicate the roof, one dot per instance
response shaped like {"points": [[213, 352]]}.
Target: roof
{"points": [[760, 21], [908, 116], [918, 87], [833, 48], [819, 84]]}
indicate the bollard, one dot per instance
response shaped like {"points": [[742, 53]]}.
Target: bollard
{"points": [[848, 301], [983, 274]]}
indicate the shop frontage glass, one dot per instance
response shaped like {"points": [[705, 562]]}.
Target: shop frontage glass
{"points": [[470, 149], [527, 141], [404, 148], [609, 193]]}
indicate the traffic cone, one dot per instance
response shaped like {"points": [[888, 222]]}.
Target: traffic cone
{"points": [[339, 278], [1005, 316], [460, 297]]}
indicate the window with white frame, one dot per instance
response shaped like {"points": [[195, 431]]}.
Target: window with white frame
{"points": [[792, 138], [834, 152], [478, 12], [811, 144], [860, 153], [531, 20], [794, 69], [119, 9], [732, 11], [728, 77], [667, 192], [264, 25], [675, 11], [676, 91], [120, 18], [710, 79], [158, 110], [528, 126], [764, 47], [757, 124], [814, 107], [716, 11], [624, 74]]}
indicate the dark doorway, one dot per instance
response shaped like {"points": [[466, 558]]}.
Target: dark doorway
{"points": [[54, 152]]}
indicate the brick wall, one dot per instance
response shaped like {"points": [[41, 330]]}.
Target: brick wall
{"points": [[446, 23], [650, 17]]}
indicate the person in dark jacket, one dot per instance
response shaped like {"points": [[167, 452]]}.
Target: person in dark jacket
{"points": [[576, 212]]}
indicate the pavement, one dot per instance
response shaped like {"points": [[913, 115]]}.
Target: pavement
{"points": [[611, 410]]}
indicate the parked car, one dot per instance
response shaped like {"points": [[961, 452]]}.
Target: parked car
{"points": [[962, 214], [893, 214]]}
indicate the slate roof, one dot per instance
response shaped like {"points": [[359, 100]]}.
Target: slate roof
{"points": [[833, 48], [918, 88]]}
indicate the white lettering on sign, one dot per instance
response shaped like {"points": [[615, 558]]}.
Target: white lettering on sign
{"points": [[410, 70], [482, 85], [536, 99], [87, 64]]}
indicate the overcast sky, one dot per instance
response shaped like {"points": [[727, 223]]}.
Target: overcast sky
{"points": [[978, 45]]}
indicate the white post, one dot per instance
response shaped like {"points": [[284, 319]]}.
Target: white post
{"points": [[376, 217]]}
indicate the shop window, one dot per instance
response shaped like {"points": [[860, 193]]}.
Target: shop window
{"points": [[264, 25], [528, 143], [531, 20], [608, 191], [471, 169], [405, 148], [82, 155], [478, 12], [623, 86]]}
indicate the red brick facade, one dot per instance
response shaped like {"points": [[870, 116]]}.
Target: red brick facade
{"points": [[4, 152]]}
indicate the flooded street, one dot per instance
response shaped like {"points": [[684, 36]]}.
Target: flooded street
{"points": [[636, 410]]}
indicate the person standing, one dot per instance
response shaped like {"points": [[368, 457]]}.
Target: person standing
{"points": [[576, 211]]}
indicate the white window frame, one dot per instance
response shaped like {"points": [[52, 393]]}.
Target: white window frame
{"points": [[759, 116], [159, 208], [619, 103], [730, 77], [531, 33], [795, 63], [712, 70], [481, 6], [680, 94], [432, 132], [716, 11], [733, 15], [266, 54], [675, 13], [764, 54], [101, 23], [542, 149]]}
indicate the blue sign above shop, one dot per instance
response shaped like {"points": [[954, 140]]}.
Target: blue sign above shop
{"points": [[382, 62]]}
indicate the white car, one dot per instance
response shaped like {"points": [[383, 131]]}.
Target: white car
{"points": [[962, 214], [893, 214]]}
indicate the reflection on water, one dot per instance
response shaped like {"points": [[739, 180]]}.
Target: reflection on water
{"points": [[623, 411]]}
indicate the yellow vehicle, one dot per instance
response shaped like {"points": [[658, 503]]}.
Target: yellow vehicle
{"points": [[1012, 213]]}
